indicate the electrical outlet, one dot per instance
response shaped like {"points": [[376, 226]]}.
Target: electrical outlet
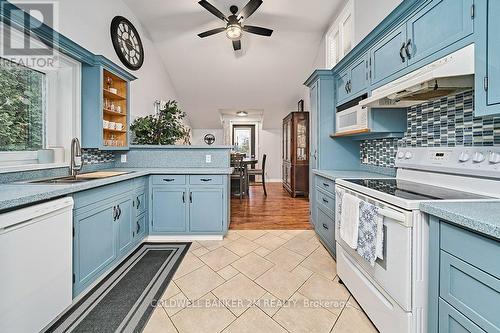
{"points": [[208, 158], [123, 158]]}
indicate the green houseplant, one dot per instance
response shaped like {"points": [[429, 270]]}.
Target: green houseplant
{"points": [[163, 128]]}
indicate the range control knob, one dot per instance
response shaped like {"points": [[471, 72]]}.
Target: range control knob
{"points": [[478, 157], [401, 155], [408, 155], [464, 157], [494, 158]]}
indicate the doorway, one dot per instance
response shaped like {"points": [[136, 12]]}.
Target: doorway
{"points": [[244, 139]]}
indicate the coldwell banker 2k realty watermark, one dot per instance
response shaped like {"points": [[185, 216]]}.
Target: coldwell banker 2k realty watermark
{"points": [[28, 33]]}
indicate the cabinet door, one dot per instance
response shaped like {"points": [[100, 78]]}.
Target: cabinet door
{"points": [[386, 56], [358, 76], [94, 244], [124, 221], [487, 58], [438, 25], [140, 227], [205, 210], [342, 86], [169, 210], [139, 202]]}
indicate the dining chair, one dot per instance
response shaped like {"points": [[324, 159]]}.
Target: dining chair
{"points": [[260, 172], [239, 172]]}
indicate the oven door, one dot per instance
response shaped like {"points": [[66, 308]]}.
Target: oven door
{"points": [[392, 275]]}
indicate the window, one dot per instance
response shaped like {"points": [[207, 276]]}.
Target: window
{"points": [[340, 36], [244, 139], [22, 108]]}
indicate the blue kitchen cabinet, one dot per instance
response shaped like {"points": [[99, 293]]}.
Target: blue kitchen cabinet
{"points": [[387, 56], [140, 228], [169, 213], [464, 281], [438, 25], [342, 86], [353, 81], [487, 58], [205, 210], [125, 220], [94, 244]]}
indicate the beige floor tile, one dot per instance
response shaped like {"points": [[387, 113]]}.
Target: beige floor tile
{"points": [[175, 304], [270, 241], [200, 251], [214, 244], [159, 322], [321, 264], [199, 282], [301, 246], [323, 251], [270, 304], [285, 259], [303, 316], [239, 293], [194, 246], [254, 321], [353, 321], [262, 251], [302, 272], [171, 290], [307, 234], [276, 232], [207, 316], [232, 235], [188, 264], [220, 258], [333, 294], [242, 246], [228, 272], [252, 265], [280, 283], [252, 234], [315, 240], [287, 235], [352, 302]]}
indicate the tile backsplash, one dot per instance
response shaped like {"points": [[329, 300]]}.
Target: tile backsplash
{"points": [[447, 122], [96, 156]]}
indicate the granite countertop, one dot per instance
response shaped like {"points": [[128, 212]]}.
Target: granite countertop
{"points": [[181, 147], [13, 195], [334, 174], [479, 216]]}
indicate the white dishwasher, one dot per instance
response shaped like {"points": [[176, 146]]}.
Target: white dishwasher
{"points": [[35, 265]]}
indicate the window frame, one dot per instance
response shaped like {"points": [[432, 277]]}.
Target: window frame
{"points": [[338, 27]]}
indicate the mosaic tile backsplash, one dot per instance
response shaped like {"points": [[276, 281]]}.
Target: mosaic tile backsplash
{"points": [[447, 122], [96, 156]]}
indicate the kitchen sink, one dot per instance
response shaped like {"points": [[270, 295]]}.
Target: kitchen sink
{"points": [[82, 178]]}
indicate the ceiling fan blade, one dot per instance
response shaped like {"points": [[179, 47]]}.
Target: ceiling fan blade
{"points": [[205, 4], [249, 9], [211, 32], [237, 45], [257, 30]]}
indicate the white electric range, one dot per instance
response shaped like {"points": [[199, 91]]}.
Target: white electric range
{"points": [[393, 293]]}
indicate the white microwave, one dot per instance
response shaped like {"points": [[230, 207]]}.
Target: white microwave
{"points": [[352, 120]]}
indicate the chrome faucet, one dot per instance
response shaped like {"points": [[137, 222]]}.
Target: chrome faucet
{"points": [[76, 157]]}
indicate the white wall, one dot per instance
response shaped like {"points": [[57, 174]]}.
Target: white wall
{"points": [[270, 144], [88, 23], [199, 134], [368, 14]]}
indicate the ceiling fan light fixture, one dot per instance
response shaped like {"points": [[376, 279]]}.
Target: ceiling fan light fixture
{"points": [[242, 113], [233, 31]]}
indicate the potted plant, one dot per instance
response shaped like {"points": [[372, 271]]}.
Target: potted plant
{"points": [[163, 128]]}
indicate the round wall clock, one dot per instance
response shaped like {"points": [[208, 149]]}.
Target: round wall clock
{"points": [[127, 43]]}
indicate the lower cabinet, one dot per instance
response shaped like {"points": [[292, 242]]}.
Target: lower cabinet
{"points": [[124, 221], [323, 208], [195, 208]]}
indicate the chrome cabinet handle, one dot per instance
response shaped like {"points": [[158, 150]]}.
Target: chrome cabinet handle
{"points": [[350, 85], [346, 87], [401, 52], [119, 212], [138, 228], [326, 185], [325, 226], [114, 213], [407, 49], [168, 179], [325, 201], [138, 202], [206, 179], [183, 197], [190, 197]]}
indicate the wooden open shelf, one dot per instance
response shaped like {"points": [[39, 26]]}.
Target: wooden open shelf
{"points": [[114, 138]]}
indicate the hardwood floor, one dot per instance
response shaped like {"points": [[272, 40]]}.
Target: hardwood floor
{"points": [[277, 211]]}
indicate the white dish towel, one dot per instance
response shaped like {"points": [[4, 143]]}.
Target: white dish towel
{"points": [[349, 224]]}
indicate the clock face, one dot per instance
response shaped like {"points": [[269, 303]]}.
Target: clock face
{"points": [[127, 43]]}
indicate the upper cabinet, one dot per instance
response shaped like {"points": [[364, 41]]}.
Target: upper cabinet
{"points": [[105, 106], [487, 58], [353, 81]]}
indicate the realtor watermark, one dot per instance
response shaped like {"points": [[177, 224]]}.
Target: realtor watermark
{"points": [[31, 38]]}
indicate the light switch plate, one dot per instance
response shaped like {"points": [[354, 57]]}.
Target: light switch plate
{"points": [[123, 158], [208, 158]]}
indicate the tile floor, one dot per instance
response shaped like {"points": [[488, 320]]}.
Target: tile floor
{"points": [[258, 281]]}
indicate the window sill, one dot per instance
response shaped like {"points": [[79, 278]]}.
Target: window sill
{"points": [[29, 167]]}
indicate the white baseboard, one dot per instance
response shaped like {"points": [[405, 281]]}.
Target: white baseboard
{"points": [[182, 238]]}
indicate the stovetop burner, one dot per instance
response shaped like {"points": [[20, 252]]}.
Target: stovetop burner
{"points": [[413, 191]]}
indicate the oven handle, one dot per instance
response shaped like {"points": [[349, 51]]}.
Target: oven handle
{"points": [[389, 213]]}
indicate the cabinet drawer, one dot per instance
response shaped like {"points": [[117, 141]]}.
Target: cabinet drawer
{"points": [[452, 321], [169, 180], [325, 184], [326, 226], [480, 251], [326, 201], [473, 292], [205, 180]]}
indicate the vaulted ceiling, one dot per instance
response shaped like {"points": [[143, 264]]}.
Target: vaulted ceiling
{"points": [[208, 75]]}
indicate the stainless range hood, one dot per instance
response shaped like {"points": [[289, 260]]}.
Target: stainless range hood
{"points": [[449, 75]]}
